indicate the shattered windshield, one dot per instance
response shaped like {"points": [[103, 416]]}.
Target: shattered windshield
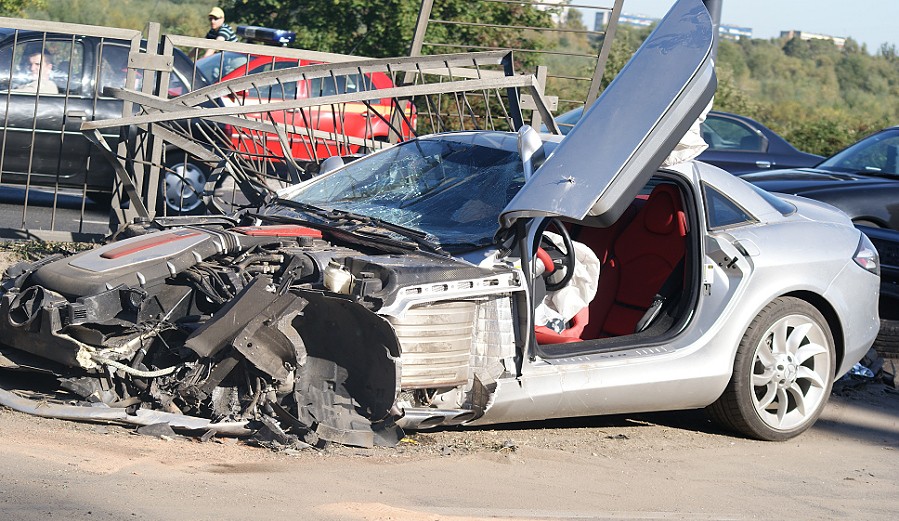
{"points": [[452, 188]]}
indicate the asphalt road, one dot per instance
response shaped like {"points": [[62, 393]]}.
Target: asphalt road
{"points": [[45, 211], [661, 466]]}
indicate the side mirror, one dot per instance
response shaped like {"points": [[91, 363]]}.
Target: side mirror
{"points": [[530, 148], [330, 164]]}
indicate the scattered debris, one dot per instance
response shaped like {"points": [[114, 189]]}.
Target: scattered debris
{"points": [[508, 446], [872, 369], [157, 430]]}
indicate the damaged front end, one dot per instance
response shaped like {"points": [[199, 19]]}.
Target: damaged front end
{"points": [[279, 332], [201, 326]]}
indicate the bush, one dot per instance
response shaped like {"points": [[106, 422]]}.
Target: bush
{"points": [[826, 136]]}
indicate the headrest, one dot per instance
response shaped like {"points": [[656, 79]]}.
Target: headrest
{"points": [[662, 212]]}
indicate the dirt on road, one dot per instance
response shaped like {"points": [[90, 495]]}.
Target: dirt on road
{"points": [[650, 466]]}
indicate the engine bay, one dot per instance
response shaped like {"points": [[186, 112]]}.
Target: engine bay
{"points": [[289, 332]]}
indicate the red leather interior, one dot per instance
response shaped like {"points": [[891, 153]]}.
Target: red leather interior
{"points": [[546, 336], [638, 253], [642, 258]]}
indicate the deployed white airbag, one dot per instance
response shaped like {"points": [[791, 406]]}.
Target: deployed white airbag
{"points": [[558, 307]]}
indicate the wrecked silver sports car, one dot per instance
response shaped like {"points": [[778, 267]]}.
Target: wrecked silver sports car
{"points": [[468, 278]]}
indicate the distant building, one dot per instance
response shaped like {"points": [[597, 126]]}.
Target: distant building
{"points": [[633, 20], [730, 32], [803, 35], [546, 5]]}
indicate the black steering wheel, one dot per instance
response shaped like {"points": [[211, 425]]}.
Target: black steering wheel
{"points": [[560, 260]]}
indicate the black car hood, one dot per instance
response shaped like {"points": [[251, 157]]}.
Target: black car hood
{"points": [[803, 181]]}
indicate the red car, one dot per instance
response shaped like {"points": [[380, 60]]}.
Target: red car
{"points": [[354, 119]]}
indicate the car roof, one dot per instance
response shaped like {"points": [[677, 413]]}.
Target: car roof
{"points": [[622, 139]]}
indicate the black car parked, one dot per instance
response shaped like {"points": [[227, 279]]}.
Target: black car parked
{"points": [[739, 144], [40, 136], [862, 180], [736, 143]]}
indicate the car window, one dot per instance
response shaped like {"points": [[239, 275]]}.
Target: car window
{"points": [[730, 134], [722, 211], [114, 70], [339, 85], [113, 67], [59, 69], [877, 153], [221, 64], [282, 90], [450, 189]]}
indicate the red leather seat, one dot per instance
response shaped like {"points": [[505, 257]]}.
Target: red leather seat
{"points": [[638, 254], [642, 258]]}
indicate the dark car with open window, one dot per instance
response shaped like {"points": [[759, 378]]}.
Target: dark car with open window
{"points": [[40, 120]]}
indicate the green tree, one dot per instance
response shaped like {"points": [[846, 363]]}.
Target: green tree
{"points": [[385, 28], [186, 17], [18, 7]]}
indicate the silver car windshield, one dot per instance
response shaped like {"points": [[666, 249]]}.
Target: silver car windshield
{"points": [[451, 189]]}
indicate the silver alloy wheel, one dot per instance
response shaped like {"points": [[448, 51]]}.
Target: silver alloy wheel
{"points": [[790, 372], [184, 187]]}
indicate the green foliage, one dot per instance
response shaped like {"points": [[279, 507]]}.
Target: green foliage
{"points": [[385, 28], [186, 17], [18, 7], [819, 97]]}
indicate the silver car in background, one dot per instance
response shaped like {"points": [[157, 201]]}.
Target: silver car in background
{"points": [[472, 278]]}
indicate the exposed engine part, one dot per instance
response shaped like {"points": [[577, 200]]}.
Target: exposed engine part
{"points": [[238, 330]]}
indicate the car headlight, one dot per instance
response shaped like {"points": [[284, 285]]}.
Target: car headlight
{"points": [[866, 255]]}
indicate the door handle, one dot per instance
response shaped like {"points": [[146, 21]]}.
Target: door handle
{"points": [[763, 164]]}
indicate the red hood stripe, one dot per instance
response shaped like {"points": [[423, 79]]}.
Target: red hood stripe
{"points": [[285, 230], [146, 244]]}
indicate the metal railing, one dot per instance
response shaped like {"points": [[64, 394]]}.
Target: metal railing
{"points": [[251, 146], [136, 129], [590, 65], [48, 169]]}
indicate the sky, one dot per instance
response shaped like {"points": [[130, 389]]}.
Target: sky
{"points": [[871, 22]]}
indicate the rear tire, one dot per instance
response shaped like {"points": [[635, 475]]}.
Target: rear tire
{"points": [[865, 222], [783, 373], [887, 342]]}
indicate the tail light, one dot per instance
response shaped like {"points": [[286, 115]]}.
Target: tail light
{"points": [[866, 255]]}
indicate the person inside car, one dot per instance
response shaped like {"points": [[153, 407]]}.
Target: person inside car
{"points": [[38, 66]]}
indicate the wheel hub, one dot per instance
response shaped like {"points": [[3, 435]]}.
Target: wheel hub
{"points": [[785, 370], [183, 187]]}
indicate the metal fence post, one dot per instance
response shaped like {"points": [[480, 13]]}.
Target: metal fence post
{"points": [[536, 118], [714, 7], [121, 209], [607, 39]]}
